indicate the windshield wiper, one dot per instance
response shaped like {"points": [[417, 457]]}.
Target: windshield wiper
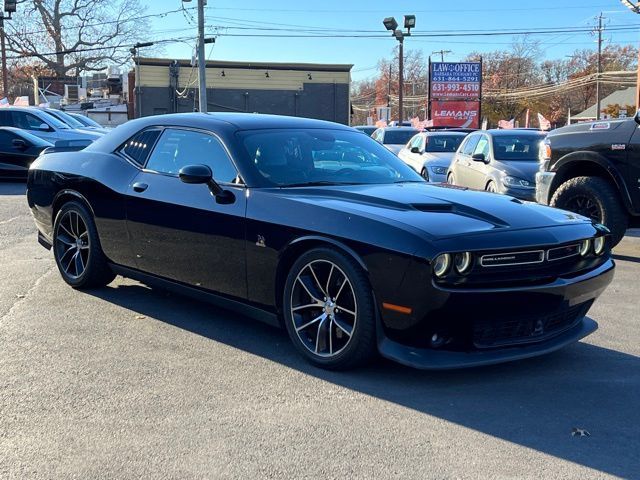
{"points": [[319, 183]]}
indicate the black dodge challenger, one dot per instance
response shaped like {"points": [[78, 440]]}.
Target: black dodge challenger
{"points": [[314, 226]]}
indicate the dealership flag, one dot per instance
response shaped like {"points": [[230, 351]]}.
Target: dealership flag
{"points": [[544, 123], [4, 102], [507, 124], [381, 124]]}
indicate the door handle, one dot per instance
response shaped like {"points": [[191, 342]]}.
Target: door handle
{"points": [[140, 187]]}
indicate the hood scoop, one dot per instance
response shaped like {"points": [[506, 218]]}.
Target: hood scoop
{"points": [[460, 209]]}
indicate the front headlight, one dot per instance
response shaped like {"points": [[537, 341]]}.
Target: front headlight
{"points": [[463, 262], [441, 264], [439, 170], [598, 245], [585, 247], [510, 181]]}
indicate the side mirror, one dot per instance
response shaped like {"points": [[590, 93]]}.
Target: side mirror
{"points": [[415, 150], [198, 174], [44, 127], [19, 144], [479, 157]]}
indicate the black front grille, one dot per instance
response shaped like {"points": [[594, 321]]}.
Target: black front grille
{"points": [[530, 329]]}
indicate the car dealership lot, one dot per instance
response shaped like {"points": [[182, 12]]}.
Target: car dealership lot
{"points": [[130, 382]]}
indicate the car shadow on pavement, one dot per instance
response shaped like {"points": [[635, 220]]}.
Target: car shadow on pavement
{"points": [[535, 403], [12, 188]]}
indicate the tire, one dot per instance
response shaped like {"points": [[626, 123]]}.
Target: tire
{"points": [[77, 250], [451, 180], [424, 174], [596, 198], [491, 187], [345, 336]]}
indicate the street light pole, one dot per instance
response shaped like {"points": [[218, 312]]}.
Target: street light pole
{"points": [[391, 24], [202, 67]]}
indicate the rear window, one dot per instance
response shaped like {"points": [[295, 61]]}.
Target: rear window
{"points": [[138, 147], [516, 147], [442, 143], [398, 137]]}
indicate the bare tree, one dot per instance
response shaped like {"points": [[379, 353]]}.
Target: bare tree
{"points": [[75, 35]]}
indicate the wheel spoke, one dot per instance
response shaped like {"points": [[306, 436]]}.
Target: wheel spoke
{"points": [[320, 325], [308, 305], [66, 252], [330, 332], [344, 282], [71, 262], [66, 241], [77, 224], [67, 231], [318, 284], [304, 285], [79, 264], [345, 328], [329, 280], [308, 324], [346, 310]]}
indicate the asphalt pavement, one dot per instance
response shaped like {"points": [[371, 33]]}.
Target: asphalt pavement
{"points": [[130, 382]]}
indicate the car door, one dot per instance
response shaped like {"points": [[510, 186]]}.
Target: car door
{"points": [[477, 171], [410, 158], [33, 125], [463, 160], [14, 159], [181, 231]]}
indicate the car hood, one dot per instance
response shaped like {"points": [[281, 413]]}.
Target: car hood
{"points": [[439, 211], [525, 170], [100, 131]]}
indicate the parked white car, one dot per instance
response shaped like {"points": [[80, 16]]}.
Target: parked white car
{"points": [[39, 123], [431, 153], [394, 138]]}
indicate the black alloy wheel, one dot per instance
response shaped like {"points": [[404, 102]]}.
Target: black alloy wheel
{"points": [[329, 310], [596, 199], [76, 248]]}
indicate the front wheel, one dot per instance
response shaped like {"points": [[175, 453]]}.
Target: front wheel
{"points": [[425, 174], [76, 248], [451, 179], [329, 310], [595, 198]]}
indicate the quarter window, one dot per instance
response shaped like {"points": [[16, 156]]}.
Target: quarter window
{"points": [[139, 146], [178, 148]]}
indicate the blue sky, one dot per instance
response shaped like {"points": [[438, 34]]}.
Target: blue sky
{"points": [[367, 16]]}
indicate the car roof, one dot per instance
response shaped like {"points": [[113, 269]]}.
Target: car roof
{"points": [[401, 128], [445, 133], [496, 132]]}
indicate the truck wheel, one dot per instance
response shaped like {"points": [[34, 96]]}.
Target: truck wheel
{"points": [[595, 198]]}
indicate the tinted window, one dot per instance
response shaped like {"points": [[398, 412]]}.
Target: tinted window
{"points": [[66, 118], [293, 156], [26, 121], [443, 143], [5, 140], [139, 146], [470, 144], [5, 118], [516, 147], [398, 137], [178, 148]]}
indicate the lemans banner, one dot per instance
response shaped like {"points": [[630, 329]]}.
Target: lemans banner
{"points": [[455, 114], [459, 80]]}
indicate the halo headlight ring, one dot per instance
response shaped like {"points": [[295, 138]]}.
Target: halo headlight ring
{"points": [[585, 247], [463, 262], [441, 265], [599, 244]]}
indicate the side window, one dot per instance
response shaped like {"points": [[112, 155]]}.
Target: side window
{"points": [[5, 118], [416, 141], [177, 148], [5, 140], [470, 145], [138, 147], [27, 121], [483, 146]]}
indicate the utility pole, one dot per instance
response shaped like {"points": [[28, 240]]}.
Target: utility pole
{"points": [[598, 106], [401, 82], [202, 67], [442, 53], [5, 90]]}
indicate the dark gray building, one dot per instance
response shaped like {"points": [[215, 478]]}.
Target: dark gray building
{"points": [[297, 89]]}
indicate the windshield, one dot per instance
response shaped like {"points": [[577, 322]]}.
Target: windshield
{"points": [[68, 119], [89, 122], [326, 157], [54, 121], [398, 137], [443, 143], [516, 147]]}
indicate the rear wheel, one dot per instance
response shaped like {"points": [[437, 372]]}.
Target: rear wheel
{"points": [[329, 310], [595, 198], [76, 248]]}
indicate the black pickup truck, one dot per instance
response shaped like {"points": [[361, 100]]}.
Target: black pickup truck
{"points": [[594, 169]]}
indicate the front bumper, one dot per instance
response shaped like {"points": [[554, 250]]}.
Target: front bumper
{"points": [[461, 306], [543, 185], [437, 178]]}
